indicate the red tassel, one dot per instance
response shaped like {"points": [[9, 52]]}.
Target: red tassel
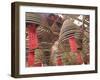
{"points": [[30, 59], [79, 58], [59, 60], [32, 43], [73, 46], [32, 36], [38, 64]]}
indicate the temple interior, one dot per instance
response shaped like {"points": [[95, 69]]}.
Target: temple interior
{"points": [[54, 39]]}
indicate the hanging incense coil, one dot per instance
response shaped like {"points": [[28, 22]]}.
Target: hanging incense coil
{"points": [[33, 18], [69, 29]]}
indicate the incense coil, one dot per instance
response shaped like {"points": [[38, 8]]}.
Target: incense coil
{"points": [[33, 18], [69, 29]]}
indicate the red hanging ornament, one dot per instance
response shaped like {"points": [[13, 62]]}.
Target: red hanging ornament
{"points": [[73, 47], [32, 43], [59, 60], [32, 37], [30, 59]]}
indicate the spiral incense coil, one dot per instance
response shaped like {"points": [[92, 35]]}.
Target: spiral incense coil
{"points": [[33, 18], [41, 30], [68, 29]]}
